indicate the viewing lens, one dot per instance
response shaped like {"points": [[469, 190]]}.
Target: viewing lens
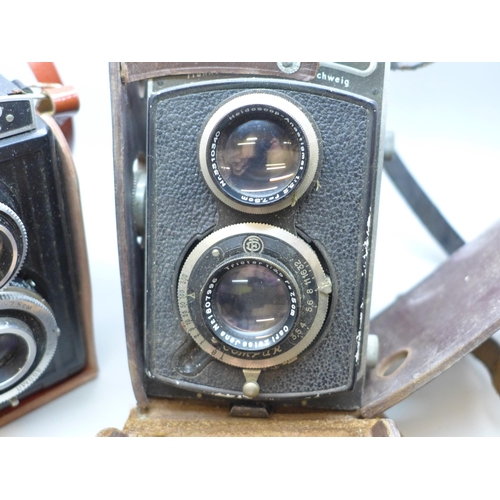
{"points": [[13, 244], [252, 301], [259, 152], [258, 158]]}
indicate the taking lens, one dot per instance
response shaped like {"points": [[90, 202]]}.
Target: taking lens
{"points": [[252, 301], [17, 351], [250, 304], [27, 346], [253, 295], [13, 355]]}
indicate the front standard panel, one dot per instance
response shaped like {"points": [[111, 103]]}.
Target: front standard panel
{"points": [[260, 212]]}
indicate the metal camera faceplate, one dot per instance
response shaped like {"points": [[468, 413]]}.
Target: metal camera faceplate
{"points": [[335, 217]]}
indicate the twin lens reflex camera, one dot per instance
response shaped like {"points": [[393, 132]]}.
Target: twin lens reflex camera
{"points": [[254, 201], [45, 320]]}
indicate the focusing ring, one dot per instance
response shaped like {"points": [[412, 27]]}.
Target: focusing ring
{"points": [[254, 244], [239, 175], [39, 320]]}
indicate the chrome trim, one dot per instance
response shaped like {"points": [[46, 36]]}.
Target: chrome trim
{"points": [[17, 260], [348, 69]]}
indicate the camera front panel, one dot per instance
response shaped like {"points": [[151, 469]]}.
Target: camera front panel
{"points": [[333, 217]]}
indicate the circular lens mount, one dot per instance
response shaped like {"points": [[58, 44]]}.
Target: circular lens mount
{"points": [[28, 340], [17, 351], [253, 295], [13, 244], [259, 152]]}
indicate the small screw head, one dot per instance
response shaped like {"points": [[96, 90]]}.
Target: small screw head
{"points": [[9, 118], [288, 67], [216, 252]]}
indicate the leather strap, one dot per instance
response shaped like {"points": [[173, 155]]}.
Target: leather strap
{"points": [[422, 206], [446, 236], [45, 72], [62, 101]]}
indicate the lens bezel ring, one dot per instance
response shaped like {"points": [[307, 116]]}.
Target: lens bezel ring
{"points": [[13, 299], [211, 317], [18, 328], [13, 228], [276, 105], [292, 254]]}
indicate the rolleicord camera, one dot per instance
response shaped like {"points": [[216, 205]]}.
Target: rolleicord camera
{"points": [[45, 320], [246, 226]]}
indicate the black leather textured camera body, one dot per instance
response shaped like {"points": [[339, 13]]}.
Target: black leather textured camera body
{"points": [[45, 320], [256, 210]]}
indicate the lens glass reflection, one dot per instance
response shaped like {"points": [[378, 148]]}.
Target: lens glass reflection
{"points": [[258, 158], [252, 301], [13, 356]]}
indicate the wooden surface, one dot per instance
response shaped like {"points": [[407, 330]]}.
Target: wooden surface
{"points": [[174, 418]]}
